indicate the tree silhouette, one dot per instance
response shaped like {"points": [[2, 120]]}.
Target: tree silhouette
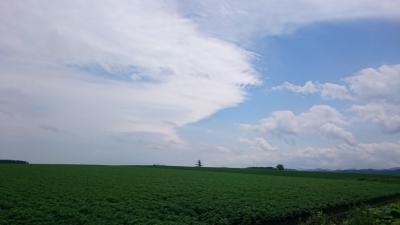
{"points": [[280, 167]]}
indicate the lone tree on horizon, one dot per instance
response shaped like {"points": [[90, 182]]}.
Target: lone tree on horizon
{"points": [[198, 164], [280, 167]]}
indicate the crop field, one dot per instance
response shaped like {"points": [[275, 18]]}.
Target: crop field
{"points": [[78, 194]]}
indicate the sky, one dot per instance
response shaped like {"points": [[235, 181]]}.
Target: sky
{"points": [[304, 83]]}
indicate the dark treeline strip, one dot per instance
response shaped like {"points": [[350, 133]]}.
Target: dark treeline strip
{"points": [[11, 161]]}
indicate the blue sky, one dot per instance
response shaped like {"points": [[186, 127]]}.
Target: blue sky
{"points": [[305, 83], [326, 52]]}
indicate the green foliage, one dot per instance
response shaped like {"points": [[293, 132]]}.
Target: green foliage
{"points": [[66, 194], [280, 167], [360, 216], [318, 218], [384, 215], [305, 174]]}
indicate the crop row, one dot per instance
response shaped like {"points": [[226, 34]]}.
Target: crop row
{"points": [[49, 194]]}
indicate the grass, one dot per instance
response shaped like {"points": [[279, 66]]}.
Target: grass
{"points": [[78, 194]]}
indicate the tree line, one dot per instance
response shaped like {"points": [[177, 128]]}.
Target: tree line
{"points": [[11, 161]]}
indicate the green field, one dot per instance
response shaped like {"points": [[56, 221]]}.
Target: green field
{"points": [[77, 194]]}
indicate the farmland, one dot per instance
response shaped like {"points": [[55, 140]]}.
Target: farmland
{"points": [[78, 194]]}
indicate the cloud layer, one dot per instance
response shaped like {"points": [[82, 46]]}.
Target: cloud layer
{"points": [[377, 94], [319, 119], [135, 66], [107, 81], [374, 94], [240, 21]]}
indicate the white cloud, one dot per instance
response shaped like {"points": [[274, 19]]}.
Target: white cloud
{"points": [[331, 130], [279, 122], [377, 96], [387, 116], [319, 119], [239, 21], [69, 57], [334, 91], [377, 85], [321, 114], [366, 155], [374, 93], [326, 90], [75, 73], [359, 156], [260, 143], [308, 88]]}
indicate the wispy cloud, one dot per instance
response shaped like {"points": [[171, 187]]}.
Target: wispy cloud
{"points": [[242, 21], [326, 90], [74, 58], [308, 88]]}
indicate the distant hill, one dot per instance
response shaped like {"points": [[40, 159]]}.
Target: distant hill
{"points": [[11, 161], [390, 171]]}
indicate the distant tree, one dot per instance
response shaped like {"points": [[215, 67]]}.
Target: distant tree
{"points": [[280, 167], [198, 164], [11, 161], [262, 167]]}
